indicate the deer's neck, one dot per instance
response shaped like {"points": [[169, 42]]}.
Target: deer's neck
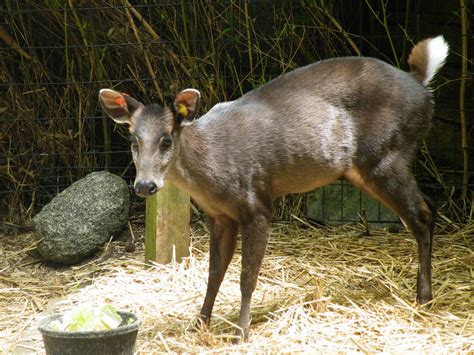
{"points": [[189, 170]]}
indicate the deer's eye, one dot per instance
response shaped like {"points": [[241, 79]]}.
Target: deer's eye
{"points": [[166, 142]]}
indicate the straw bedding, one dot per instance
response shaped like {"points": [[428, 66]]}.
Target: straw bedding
{"points": [[326, 290]]}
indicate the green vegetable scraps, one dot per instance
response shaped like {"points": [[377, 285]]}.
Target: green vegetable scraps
{"points": [[88, 319]]}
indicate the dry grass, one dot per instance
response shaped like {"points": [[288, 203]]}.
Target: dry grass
{"points": [[320, 290]]}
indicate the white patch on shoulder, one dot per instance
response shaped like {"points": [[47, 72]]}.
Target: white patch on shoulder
{"points": [[215, 113], [251, 198], [223, 104], [338, 138]]}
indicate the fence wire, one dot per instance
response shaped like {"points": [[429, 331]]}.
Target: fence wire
{"points": [[56, 56]]}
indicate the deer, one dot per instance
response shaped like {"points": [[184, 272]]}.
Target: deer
{"points": [[354, 118]]}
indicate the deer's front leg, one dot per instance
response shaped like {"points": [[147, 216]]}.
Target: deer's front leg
{"points": [[222, 247]]}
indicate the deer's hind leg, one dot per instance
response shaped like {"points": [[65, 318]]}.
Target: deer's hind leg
{"points": [[394, 185]]}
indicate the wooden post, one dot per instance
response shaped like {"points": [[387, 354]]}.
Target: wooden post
{"points": [[150, 229], [167, 225]]}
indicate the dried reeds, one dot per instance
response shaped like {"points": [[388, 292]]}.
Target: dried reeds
{"points": [[320, 290], [57, 55]]}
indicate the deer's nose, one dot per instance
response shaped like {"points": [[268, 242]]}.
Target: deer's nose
{"points": [[145, 188]]}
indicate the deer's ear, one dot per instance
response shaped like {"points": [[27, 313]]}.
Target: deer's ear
{"points": [[186, 105], [118, 106]]}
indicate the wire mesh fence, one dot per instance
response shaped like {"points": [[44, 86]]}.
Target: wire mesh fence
{"points": [[56, 56]]}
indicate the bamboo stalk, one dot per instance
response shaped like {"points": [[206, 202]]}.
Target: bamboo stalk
{"points": [[462, 101], [145, 55], [156, 37], [249, 38], [384, 23], [185, 27], [12, 43], [389, 36], [343, 32], [405, 26], [99, 72]]}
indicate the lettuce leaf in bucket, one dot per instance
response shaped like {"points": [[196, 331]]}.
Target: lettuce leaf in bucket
{"points": [[86, 319]]}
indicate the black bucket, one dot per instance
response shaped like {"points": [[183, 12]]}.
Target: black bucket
{"points": [[116, 341]]}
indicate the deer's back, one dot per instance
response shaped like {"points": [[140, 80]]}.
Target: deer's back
{"points": [[305, 128]]}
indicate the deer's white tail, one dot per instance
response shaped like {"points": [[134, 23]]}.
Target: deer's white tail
{"points": [[427, 58]]}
